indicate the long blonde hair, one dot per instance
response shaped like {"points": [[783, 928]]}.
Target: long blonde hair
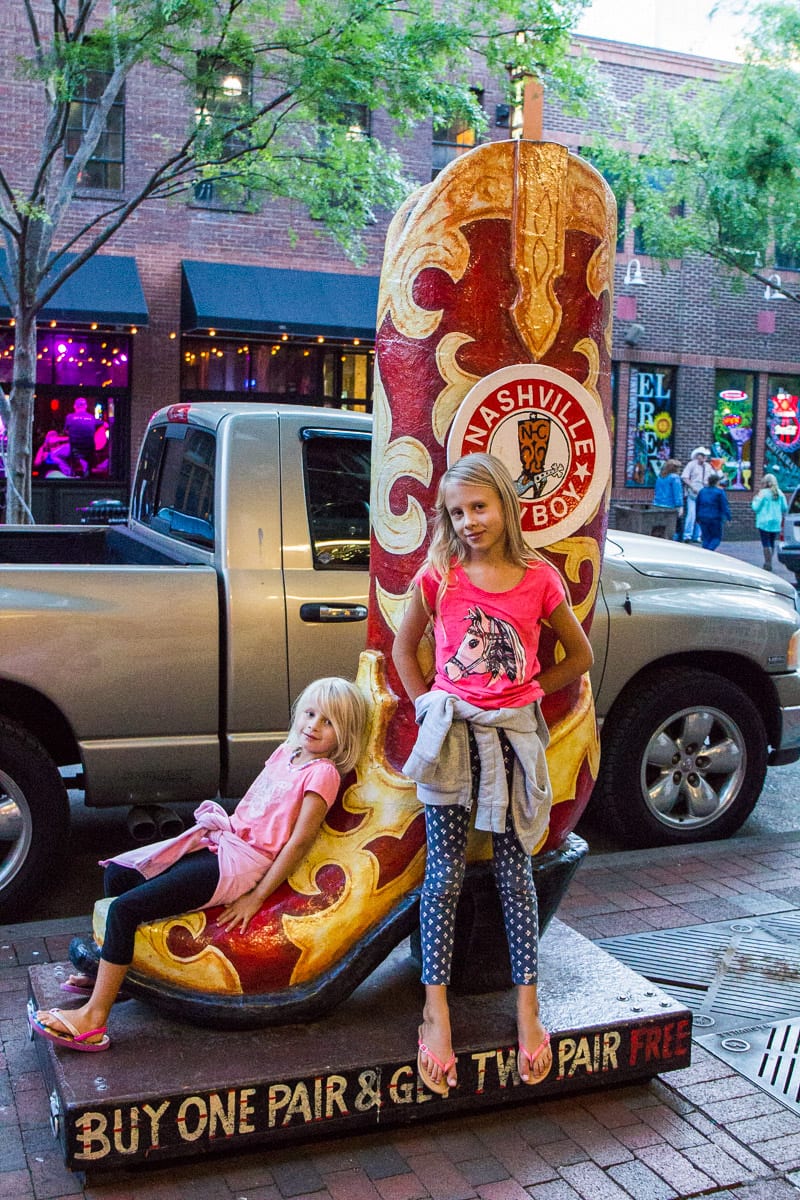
{"points": [[346, 709], [479, 470], [771, 484]]}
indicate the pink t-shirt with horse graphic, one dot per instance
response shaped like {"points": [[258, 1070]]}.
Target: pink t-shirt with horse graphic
{"points": [[487, 642]]}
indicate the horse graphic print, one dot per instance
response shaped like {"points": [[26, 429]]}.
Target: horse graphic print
{"points": [[489, 647]]}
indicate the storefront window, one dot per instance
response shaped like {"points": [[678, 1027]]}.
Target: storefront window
{"points": [[69, 358], [733, 428], [82, 389], [782, 450], [75, 437], [651, 416], [292, 371]]}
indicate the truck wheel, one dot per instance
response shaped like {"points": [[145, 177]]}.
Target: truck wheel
{"points": [[34, 817], [684, 755]]}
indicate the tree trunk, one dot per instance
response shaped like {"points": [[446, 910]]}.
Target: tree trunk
{"points": [[20, 426]]}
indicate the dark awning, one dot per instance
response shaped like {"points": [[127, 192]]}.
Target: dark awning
{"points": [[106, 289], [223, 296]]}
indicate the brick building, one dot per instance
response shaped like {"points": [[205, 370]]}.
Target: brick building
{"points": [[207, 299]]}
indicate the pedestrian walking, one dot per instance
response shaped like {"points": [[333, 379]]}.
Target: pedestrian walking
{"points": [[769, 504], [695, 476], [712, 511], [669, 493]]}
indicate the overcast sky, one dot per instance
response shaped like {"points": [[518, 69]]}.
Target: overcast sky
{"points": [[668, 24]]}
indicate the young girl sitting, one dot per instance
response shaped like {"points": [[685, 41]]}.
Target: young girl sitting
{"points": [[237, 861], [482, 735]]}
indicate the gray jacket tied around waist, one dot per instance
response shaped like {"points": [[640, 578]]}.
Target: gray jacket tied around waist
{"points": [[439, 763]]}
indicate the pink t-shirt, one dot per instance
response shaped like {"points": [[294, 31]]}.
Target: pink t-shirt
{"points": [[268, 812], [487, 642]]}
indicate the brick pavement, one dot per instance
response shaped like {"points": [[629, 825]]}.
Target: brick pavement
{"points": [[705, 1131]]}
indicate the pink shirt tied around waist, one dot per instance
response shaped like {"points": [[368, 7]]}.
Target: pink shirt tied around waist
{"points": [[249, 840]]}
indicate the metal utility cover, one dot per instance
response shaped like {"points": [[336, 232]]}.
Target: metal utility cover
{"points": [[741, 979]]}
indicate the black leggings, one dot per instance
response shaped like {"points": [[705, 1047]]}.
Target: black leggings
{"points": [[187, 884]]}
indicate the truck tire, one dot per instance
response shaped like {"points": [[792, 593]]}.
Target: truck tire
{"points": [[684, 756], [34, 818]]}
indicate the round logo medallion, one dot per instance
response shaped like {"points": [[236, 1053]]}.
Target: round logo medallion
{"points": [[550, 433]]}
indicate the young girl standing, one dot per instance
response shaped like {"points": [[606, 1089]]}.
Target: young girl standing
{"points": [[481, 730], [770, 506], [237, 861]]}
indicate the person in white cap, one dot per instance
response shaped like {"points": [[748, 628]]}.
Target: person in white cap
{"points": [[695, 476]]}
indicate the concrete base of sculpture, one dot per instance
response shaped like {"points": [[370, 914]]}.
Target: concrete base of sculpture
{"points": [[167, 1090]]}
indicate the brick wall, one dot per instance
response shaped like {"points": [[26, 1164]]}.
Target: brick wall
{"points": [[692, 318]]}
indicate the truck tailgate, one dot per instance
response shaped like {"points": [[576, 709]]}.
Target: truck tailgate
{"points": [[147, 637]]}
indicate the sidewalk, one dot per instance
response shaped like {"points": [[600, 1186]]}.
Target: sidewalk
{"points": [[750, 552], [705, 1131]]}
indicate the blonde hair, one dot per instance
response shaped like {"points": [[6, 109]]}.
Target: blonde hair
{"points": [[771, 482], [346, 709], [479, 470]]}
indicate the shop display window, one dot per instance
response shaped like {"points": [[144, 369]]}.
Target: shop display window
{"points": [[82, 391], [651, 421], [782, 448], [289, 370], [731, 444]]}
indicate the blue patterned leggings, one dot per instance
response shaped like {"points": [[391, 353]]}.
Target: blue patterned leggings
{"points": [[446, 827]]}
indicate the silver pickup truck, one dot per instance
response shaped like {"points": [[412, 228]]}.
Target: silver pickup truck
{"points": [[161, 656]]}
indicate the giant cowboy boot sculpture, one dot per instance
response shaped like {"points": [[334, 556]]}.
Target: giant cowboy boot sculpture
{"points": [[494, 333]]}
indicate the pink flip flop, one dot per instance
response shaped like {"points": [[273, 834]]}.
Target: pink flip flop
{"points": [[75, 989], [439, 1086], [532, 1058], [72, 1040]]}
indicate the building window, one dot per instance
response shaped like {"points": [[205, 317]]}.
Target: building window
{"points": [[357, 119], [651, 420], [659, 181], [733, 428], [81, 404], [782, 450], [614, 181], [451, 140], [105, 168], [222, 100], [787, 257], [292, 371]]}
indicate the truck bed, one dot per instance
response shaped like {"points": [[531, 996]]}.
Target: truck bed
{"points": [[81, 545]]}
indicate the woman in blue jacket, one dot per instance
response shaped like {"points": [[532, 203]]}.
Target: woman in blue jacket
{"points": [[669, 493], [769, 505], [712, 510]]}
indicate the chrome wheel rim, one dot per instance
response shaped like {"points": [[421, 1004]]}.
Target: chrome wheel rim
{"points": [[16, 829], [693, 768]]}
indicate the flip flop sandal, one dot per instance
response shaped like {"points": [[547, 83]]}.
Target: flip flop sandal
{"points": [[76, 989], [72, 1040], [439, 1086], [532, 1058]]}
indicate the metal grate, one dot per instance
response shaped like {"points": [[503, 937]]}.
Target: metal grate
{"points": [[732, 969], [768, 1055], [727, 972]]}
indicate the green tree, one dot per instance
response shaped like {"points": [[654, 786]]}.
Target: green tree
{"points": [[720, 170], [308, 59]]}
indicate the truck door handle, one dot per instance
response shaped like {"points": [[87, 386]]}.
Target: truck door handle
{"points": [[333, 612]]}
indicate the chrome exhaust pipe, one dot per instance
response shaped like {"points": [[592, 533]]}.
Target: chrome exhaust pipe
{"points": [[168, 822], [142, 824]]}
